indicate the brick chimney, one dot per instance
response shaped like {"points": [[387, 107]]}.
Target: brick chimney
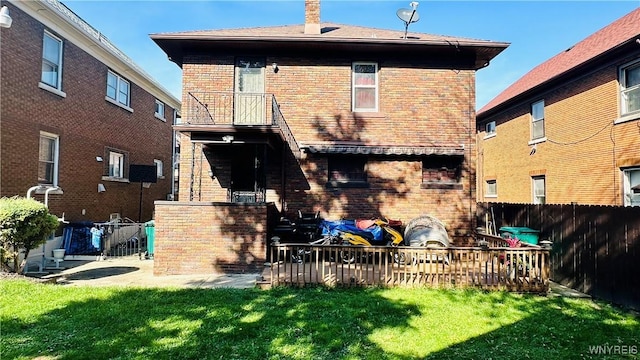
{"points": [[312, 17]]}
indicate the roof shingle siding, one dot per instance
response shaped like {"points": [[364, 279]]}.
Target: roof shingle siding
{"points": [[328, 31], [615, 34]]}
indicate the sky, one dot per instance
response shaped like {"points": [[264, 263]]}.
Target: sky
{"points": [[536, 30]]}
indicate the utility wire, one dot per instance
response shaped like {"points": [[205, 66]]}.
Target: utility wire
{"points": [[582, 140]]}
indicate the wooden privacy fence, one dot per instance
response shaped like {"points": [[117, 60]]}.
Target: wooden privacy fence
{"points": [[595, 249], [492, 268]]}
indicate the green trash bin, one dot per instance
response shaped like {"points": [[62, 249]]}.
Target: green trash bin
{"points": [[523, 234], [150, 230]]}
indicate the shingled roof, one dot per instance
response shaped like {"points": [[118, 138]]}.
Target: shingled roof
{"points": [[332, 36], [619, 32]]}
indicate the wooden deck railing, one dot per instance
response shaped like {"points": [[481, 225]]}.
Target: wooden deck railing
{"points": [[523, 269]]}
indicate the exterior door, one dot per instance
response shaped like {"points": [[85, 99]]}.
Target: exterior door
{"points": [[249, 107], [247, 174]]}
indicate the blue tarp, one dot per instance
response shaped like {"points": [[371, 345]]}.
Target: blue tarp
{"points": [[77, 239], [334, 228]]}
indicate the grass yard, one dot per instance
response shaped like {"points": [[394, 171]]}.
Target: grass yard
{"points": [[61, 322]]}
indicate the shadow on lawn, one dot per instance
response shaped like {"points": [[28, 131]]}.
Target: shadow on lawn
{"points": [[311, 324]]}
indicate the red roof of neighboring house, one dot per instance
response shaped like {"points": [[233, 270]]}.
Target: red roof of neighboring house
{"points": [[608, 38]]}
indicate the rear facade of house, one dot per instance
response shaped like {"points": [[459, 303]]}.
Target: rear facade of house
{"points": [[569, 130], [76, 113], [344, 121]]}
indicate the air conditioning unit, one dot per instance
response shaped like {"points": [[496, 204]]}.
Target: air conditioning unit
{"points": [[114, 217]]}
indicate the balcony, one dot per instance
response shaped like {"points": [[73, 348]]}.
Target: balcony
{"points": [[251, 116]]}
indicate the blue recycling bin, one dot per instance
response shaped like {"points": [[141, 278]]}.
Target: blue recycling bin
{"points": [[150, 230]]}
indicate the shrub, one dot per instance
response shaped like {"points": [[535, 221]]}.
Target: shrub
{"points": [[24, 225]]}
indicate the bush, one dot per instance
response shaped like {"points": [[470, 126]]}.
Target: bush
{"points": [[24, 225]]}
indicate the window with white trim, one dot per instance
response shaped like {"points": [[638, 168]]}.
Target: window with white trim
{"points": [[158, 168], [491, 188], [537, 120], [116, 164], [490, 128], [631, 186], [118, 89], [159, 110], [364, 83], [48, 159], [51, 61], [630, 88], [539, 191]]}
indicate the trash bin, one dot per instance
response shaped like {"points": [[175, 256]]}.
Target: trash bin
{"points": [[150, 230], [523, 234]]}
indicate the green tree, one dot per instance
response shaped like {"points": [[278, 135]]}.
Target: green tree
{"points": [[24, 225]]}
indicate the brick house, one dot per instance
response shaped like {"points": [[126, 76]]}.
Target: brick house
{"points": [[351, 122], [76, 112], [568, 131]]}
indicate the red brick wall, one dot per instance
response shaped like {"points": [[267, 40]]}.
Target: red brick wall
{"points": [[416, 107], [205, 237], [86, 125], [584, 150]]}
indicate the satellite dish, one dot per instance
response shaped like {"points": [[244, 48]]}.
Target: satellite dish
{"points": [[408, 16]]}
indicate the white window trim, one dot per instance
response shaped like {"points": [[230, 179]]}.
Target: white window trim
{"points": [[44, 86], [353, 86], [533, 189], [119, 80], [626, 189], [488, 134], [627, 116], [159, 168], [487, 195], [58, 85], [534, 120], [56, 154], [157, 114]]}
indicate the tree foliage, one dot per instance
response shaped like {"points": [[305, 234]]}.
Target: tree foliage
{"points": [[24, 225]]}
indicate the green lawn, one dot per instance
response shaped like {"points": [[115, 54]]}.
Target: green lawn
{"points": [[62, 322]]}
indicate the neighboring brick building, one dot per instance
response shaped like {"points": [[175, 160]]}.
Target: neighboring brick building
{"points": [[351, 122], [569, 130], [76, 112]]}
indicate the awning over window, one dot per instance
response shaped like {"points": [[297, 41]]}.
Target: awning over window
{"points": [[361, 149]]}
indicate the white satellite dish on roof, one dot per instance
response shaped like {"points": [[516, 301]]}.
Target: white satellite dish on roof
{"points": [[409, 16]]}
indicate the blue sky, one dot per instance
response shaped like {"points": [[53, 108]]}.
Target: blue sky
{"points": [[537, 30]]}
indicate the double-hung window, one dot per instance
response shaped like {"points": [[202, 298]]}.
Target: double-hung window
{"points": [[159, 110], [631, 186], [630, 89], [364, 90], [118, 89], [537, 120], [539, 191], [491, 188], [51, 61], [116, 164], [48, 159]]}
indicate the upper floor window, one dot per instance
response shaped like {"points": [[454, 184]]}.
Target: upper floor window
{"points": [[491, 188], [347, 171], [51, 61], [539, 191], [631, 187], [159, 110], [364, 82], [537, 120], [48, 159], [442, 172], [118, 89], [630, 88], [490, 129]]}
